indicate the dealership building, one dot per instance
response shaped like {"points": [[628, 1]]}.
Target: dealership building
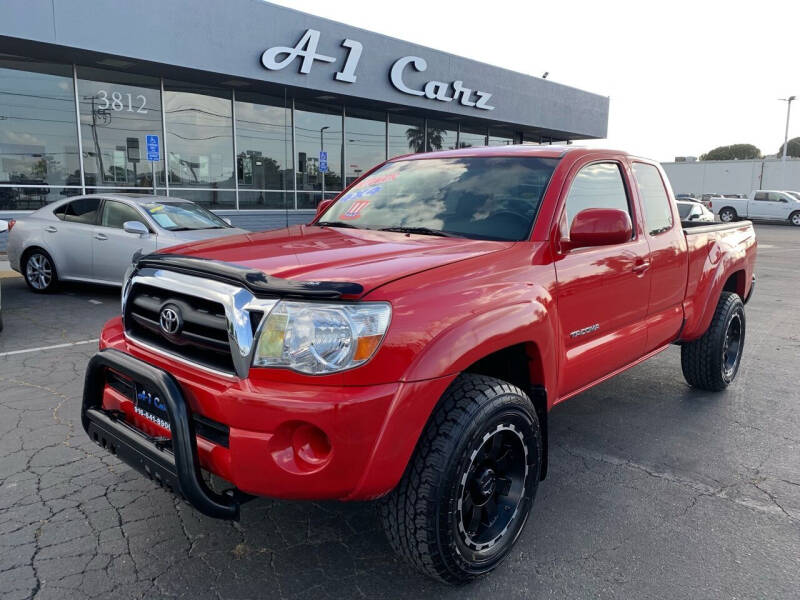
{"points": [[254, 110]]}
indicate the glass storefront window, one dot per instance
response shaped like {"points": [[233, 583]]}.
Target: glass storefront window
{"points": [[365, 146], [118, 111], [264, 151], [442, 135], [31, 198], [501, 137], [406, 135], [38, 134], [199, 136], [472, 137], [208, 198], [318, 128]]}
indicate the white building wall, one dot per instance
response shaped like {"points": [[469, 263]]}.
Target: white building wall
{"points": [[733, 176]]}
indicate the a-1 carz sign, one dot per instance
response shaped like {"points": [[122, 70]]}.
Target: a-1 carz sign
{"points": [[280, 57]]}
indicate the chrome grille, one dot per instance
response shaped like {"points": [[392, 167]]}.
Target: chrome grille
{"points": [[218, 321]]}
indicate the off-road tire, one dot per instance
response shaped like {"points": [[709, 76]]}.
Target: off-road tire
{"points": [[729, 215], [703, 360], [421, 515]]}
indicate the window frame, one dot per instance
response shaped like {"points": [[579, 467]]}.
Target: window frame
{"points": [[642, 200], [563, 228]]}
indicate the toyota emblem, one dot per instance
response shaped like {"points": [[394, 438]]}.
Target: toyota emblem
{"points": [[170, 319]]}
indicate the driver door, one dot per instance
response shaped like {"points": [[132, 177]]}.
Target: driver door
{"points": [[112, 246], [603, 291]]}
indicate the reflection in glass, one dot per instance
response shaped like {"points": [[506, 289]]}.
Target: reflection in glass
{"points": [[318, 128], [501, 137], [494, 198], [366, 141], [38, 136], [470, 137], [440, 137], [207, 198], [199, 136], [406, 135], [31, 198], [264, 146], [118, 111]]}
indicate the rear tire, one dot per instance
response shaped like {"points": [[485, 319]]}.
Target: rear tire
{"points": [[794, 218], [727, 215], [39, 271], [712, 361], [467, 490]]}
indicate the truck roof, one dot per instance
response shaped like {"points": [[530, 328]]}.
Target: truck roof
{"points": [[549, 151]]}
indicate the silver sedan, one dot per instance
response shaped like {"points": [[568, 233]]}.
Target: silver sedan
{"points": [[93, 238]]}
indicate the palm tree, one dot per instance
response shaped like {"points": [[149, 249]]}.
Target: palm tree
{"points": [[416, 138]]}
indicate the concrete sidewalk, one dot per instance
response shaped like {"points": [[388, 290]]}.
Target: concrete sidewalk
{"points": [[5, 269]]}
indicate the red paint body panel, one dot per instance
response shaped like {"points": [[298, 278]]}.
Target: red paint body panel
{"points": [[454, 301]]}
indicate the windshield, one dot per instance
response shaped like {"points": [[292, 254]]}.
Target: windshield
{"points": [[684, 210], [183, 216], [493, 198], [795, 195]]}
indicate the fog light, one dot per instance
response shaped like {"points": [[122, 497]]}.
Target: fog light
{"points": [[311, 445]]}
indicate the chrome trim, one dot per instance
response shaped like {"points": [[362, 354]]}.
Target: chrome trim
{"points": [[178, 358], [237, 301]]}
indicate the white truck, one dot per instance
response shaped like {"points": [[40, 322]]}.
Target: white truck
{"points": [[772, 205]]}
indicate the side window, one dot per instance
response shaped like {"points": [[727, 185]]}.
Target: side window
{"points": [[775, 197], [116, 213], [598, 185], [83, 210], [655, 201], [761, 196], [60, 211]]}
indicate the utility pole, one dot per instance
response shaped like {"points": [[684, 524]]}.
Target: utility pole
{"points": [[788, 101]]}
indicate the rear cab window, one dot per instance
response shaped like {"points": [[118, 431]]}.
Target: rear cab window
{"points": [[655, 200]]}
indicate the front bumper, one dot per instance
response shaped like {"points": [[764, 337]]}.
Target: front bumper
{"points": [[267, 444]]}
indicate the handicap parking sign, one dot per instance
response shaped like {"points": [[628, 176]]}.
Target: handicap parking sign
{"points": [[153, 149]]}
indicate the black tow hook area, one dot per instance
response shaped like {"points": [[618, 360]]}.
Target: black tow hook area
{"points": [[174, 464]]}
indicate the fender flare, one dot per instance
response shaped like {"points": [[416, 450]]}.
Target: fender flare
{"points": [[450, 353]]}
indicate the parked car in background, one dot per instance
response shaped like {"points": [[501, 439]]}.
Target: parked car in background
{"points": [[771, 205], [94, 237], [694, 212], [3, 228]]}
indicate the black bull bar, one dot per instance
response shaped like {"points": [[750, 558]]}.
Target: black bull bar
{"points": [[173, 463]]}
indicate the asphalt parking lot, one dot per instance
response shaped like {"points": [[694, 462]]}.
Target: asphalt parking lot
{"points": [[655, 490]]}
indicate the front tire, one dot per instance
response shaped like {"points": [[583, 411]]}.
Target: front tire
{"points": [[727, 215], [712, 361], [39, 271], [794, 218], [467, 491]]}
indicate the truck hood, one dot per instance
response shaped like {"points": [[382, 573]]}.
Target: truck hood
{"points": [[311, 253]]}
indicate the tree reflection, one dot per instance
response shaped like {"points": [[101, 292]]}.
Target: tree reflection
{"points": [[416, 138]]}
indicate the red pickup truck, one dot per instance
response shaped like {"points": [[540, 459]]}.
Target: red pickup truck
{"points": [[408, 344]]}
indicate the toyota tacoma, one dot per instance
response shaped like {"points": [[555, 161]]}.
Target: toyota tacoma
{"points": [[407, 345]]}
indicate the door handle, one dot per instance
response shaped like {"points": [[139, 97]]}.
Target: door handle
{"points": [[101, 236], [51, 229], [640, 268]]}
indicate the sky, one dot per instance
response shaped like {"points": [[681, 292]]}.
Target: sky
{"points": [[683, 77]]}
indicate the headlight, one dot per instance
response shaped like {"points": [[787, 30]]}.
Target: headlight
{"points": [[319, 338]]}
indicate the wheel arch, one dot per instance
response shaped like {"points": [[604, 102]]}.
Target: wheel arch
{"points": [[32, 247], [479, 344]]}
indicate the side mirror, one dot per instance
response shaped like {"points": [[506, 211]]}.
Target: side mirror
{"points": [[135, 227], [322, 207], [228, 221], [600, 227], [3, 226]]}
